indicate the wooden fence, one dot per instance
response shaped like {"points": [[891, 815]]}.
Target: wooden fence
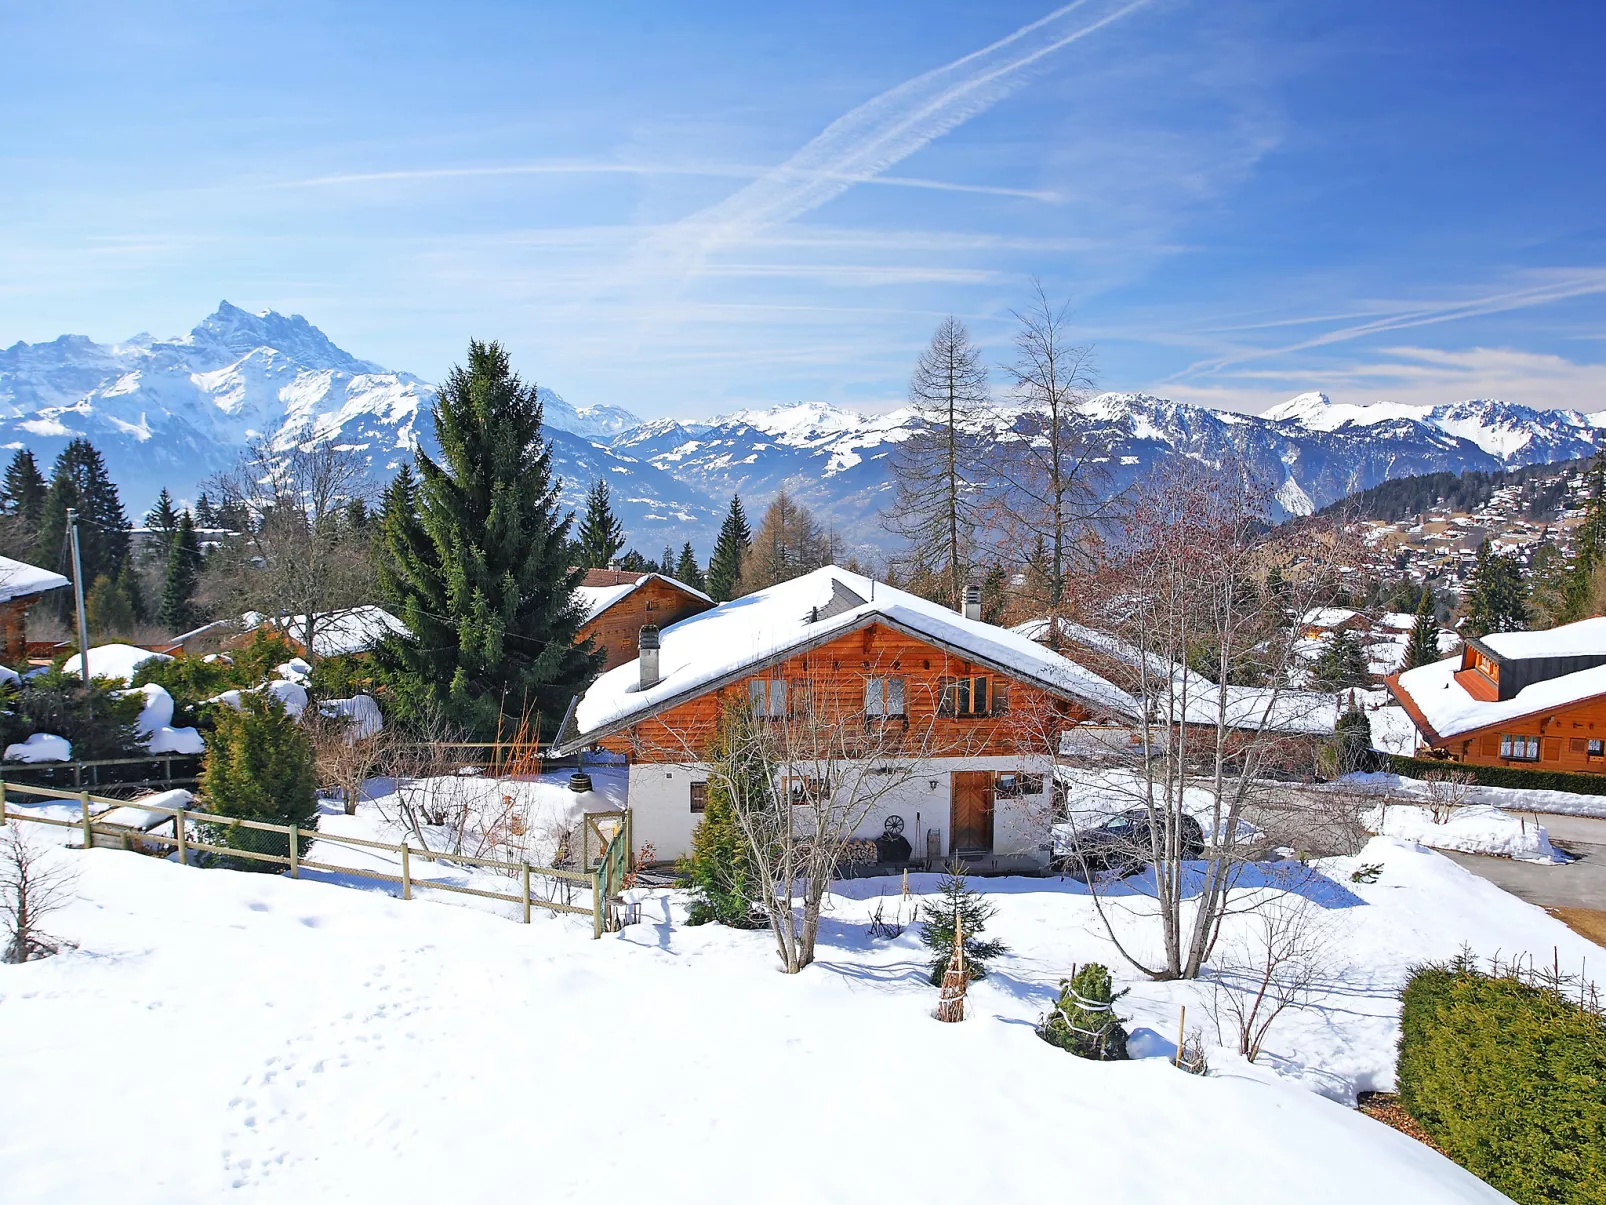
{"points": [[153, 770], [191, 827]]}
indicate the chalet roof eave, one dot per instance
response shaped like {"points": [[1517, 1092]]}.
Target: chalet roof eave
{"points": [[1438, 741], [582, 739]]}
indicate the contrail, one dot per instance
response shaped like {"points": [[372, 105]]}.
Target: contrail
{"points": [[863, 143]]}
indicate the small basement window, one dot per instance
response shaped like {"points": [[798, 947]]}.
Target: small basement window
{"points": [[699, 797], [1009, 785], [1519, 748]]}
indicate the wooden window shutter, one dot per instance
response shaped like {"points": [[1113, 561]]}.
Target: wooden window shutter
{"points": [[1491, 744], [1577, 744]]}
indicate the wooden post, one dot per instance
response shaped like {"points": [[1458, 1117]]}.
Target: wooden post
{"points": [[630, 842], [78, 774], [1182, 1020], [526, 893], [167, 768], [178, 832], [596, 905], [407, 874], [89, 833], [295, 854]]}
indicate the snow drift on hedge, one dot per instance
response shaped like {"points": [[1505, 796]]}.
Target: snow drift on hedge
{"points": [[1475, 828], [291, 694], [156, 723], [115, 661], [41, 746], [360, 710]]}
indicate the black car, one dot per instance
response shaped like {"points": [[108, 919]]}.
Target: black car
{"points": [[1121, 844]]}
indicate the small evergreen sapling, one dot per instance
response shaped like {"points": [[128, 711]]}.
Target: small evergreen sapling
{"points": [[718, 867], [1083, 1019], [258, 767], [957, 902]]}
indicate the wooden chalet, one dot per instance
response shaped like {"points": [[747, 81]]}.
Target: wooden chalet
{"points": [[971, 711], [1324, 621], [618, 604], [21, 586], [1535, 699]]}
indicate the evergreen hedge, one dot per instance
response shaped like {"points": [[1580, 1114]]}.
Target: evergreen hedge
{"points": [[1508, 1075], [1503, 776]]}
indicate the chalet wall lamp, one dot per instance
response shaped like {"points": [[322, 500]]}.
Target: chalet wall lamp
{"points": [[931, 784]]}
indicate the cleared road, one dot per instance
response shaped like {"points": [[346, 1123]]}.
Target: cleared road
{"points": [[1580, 884]]}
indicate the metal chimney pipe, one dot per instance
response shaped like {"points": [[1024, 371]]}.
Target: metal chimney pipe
{"points": [[973, 603], [647, 654]]}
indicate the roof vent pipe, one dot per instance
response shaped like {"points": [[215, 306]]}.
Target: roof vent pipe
{"points": [[647, 654], [973, 603]]}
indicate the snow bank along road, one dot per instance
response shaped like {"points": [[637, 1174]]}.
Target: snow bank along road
{"points": [[222, 1036], [1579, 884]]}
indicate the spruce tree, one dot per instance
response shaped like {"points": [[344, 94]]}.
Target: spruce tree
{"points": [[22, 494], [725, 565], [258, 767], [600, 535], [483, 582], [667, 565], [1342, 663], [1589, 545], [128, 582], [1083, 1019], [719, 867], [183, 572], [205, 512], [163, 517], [107, 610], [956, 899], [688, 571], [634, 562], [1423, 646], [1496, 597], [79, 481]]}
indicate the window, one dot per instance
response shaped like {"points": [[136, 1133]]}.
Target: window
{"points": [[768, 698], [1597, 748], [1519, 748], [1009, 785], [699, 797], [884, 697], [973, 695], [802, 790]]}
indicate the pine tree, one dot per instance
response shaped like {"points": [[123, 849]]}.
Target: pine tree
{"points": [[1496, 597], [719, 868], [22, 500], [788, 544], [725, 565], [483, 582], [1083, 1019], [1423, 646], [107, 610], [601, 535], [634, 562], [258, 767], [163, 517], [667, 565], [1589, 545], [1342, 663], [205, 513], [1352, 739], [955, 899], [687, 569], [79, 481], [183, 572]]}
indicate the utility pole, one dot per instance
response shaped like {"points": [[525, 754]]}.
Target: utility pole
{"points": [[78, 599]]}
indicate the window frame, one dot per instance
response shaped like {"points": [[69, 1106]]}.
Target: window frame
{"points": [[1516, 746], [697, 797], [879, 695], [957, 688]]}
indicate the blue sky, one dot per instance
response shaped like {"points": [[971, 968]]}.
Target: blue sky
{"points": [[688, 209]]}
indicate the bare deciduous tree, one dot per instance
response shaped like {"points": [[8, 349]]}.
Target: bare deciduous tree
{"points": [[941, 470], [31, 887], [298, 557], [1447, 792], [343, 757]]}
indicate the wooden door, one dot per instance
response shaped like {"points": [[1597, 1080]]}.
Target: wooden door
{"points": [[971, 822]]}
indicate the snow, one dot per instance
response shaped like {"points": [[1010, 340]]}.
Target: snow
{"points": [[361, 710], [1450, 710], [771, 624], [41, 746], [147, 817], [115, 661], [357, 1047], [594, 600], [1509, 799], [334, 633], [19, 579], [291, 694], [156, 720], [1328, 617], [1476, 828], [1586, 638], [1393, 731]]}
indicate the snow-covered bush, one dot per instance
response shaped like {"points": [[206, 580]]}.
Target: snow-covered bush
{"points": [[259, 767]]}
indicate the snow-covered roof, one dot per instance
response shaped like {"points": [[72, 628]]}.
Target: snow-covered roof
{"points": [[769, 625], [1450, 711], [1586, 638], [19, 579], [355, 630], [597, 599], [1328, 617]]}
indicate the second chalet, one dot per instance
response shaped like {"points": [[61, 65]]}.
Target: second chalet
{"points": [[984, 707]]}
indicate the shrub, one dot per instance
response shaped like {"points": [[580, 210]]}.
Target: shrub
{"points": [[1507, 1073], [1502, 776], [258, 767], [100, 724], [937, 927], [1083, 1019], [719, 868]]}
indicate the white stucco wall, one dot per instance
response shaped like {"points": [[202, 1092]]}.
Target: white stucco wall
{"points": [[660, 800]]}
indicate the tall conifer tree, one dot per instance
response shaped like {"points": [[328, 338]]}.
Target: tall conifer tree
{"points": [[725, 565], [601, 534], [183, 572], [22, 504], [1496, 598], [79, 481], [483, 581], [687, 569], [1589, 545], [1423, 646]]}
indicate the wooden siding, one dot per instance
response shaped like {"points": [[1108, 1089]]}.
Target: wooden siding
{"points": [[836, 673], [657, 601], [14, 628], [1564, 737]]}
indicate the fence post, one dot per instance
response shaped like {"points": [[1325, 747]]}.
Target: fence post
{"points": [[178, 832], [167, 769], [89, 833], [596, 906], [78, 774], [630, 841], [295, 856], [526, 893], [407, 874]]}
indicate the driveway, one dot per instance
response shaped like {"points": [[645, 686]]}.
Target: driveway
{"points": [[1575, 892]]}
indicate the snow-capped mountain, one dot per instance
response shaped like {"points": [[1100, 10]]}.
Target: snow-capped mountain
{"points": [[170, 412]]}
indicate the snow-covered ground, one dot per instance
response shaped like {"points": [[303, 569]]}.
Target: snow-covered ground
{"points": [[1510, 799], [1477, 828], [300, 1041]]}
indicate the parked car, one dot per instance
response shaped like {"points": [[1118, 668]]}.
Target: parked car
{"points": [[1121, 844]]}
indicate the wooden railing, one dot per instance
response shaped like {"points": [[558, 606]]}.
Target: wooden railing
{"points": [[191, 827], [54, 774]]}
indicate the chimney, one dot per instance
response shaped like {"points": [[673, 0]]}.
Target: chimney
{"points": [[973, 603], [647, 653]]}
